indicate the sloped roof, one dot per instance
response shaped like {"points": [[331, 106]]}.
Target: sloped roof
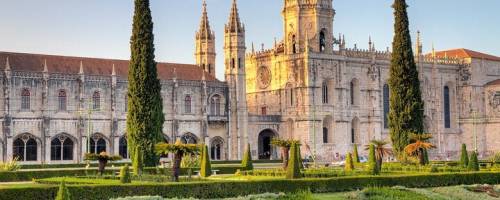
{"points": [[95, 66], [466, 53]]}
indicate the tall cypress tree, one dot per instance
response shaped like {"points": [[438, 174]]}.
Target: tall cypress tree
{"points": [[406, 106], [145, 117]]}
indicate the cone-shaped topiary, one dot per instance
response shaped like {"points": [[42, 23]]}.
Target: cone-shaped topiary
{"points": [[145, 109], [293, 169], [473, 162], [247, 163], [63, 193], [125, 175], [349, 164], [372, 161], [464, 157], [406, 106], [355, 155], [206, 168]]}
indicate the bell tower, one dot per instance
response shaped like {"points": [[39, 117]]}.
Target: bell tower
{"points": [[311, 20], [205, 44]]}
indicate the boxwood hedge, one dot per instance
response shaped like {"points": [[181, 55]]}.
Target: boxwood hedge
{"points": [[220, 189]]}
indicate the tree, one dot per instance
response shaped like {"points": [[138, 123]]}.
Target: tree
{"points": [[293, 169], [419, 145], [406, 106], [473, 162], [179, 150], [349, 164], [145, 110], [125, 175], [206, 168], [381, 151], [464, 158], [355, 153], [372, 163], [285, 149], [63, 193], [246, 163], [103, 158]]}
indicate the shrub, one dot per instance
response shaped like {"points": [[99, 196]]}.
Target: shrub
{"points": [[372, 161], [10, 166], [434, 169], [464, 158], [206, 169], [293, 170], [473, 162], [246, 163], [495, 158], [355, 154], [125, 175], [349, 165], [63, 193]]}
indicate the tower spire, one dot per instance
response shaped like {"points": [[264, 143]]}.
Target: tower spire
{"points": [[205, 44], [418, 46], [234, 23], [204, 31]]}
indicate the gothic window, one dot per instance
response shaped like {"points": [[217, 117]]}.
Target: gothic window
{"points": [[447, 114], [203, 66], [294, 45], [232, 63], [97, 144], [61, 148], [209, 68], [325, 93], [325, 135], [25, 148], [187, 104], [290, 97], [96, 101], [189, 138], [122, 148], [62, 99], [216, 148], [354, 89], [215, 105], [25, 99], [354, 130], [386, 101], [263, 110], [239, 63], [322, 41]]}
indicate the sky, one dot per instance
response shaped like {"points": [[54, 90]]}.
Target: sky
{"points": [[102, 28]]}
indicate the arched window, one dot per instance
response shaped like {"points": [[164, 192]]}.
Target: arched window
{"points": [[209, 68], [446, 110], [97, 144], [25, 99], [122, 148], [25, 148], [325, 93], [386, 101], [354, 130], [325, 135], [294, 45], [62, 100], [61, 148], [290, 97], [322, 41], [354, 89], [189, 138], [233, 64], [96, 100], [187, 104], [216, 148], [215, 104]]}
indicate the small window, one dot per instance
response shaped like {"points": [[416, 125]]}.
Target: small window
{"points": [[386, 102], [325, 93], [96, 101], [25, 99], [322, 41], [187, 104], [325, 135], [447, 113], [215, 105], [264, 110], [62, 100], [232, 63]]}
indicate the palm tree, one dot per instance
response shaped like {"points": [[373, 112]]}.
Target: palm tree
{"points": [[381, 151], [419, 144]]}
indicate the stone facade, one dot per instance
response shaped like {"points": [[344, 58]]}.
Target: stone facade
{"points": [[308, 86]]}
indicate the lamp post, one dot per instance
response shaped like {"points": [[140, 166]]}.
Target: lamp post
{"points": [[474, 119]]}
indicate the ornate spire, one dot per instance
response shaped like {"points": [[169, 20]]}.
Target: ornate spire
{"points": [[234, 23], [204, 32], [7, 64], [81, 68], [418, 45], [45, 67]]}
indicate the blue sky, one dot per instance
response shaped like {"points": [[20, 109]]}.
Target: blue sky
{"points": [[101, 28]]}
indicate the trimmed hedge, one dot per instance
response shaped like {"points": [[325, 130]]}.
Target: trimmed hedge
{"points": [[221, 189]]}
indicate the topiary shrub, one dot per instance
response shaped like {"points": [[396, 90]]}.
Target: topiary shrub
{"points": [[464, 157], [349, 165], [206, 168], [372, 161], [63, 193], [293, 170], [125, 175], [246, 163], [355, 155], [473, 162]]}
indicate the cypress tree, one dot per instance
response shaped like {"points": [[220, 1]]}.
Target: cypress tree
{"points": [[372, 161], [206, 168], [473, 162], [406, 106], [293, 170], [464, 157], [355, 154], [125, 175], [145, 111], [349, 164], [63, 193], [246, 163]]}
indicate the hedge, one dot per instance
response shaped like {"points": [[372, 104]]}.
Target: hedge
{"points": [[222, 189]]}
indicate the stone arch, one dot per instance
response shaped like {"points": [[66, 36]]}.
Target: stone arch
{"points": [[189, 138], [266, 150], [62, 147], [98, 143], [217, 148], [26, 147], [216, 104], [355, 92], [327, 130], [355, 131]]}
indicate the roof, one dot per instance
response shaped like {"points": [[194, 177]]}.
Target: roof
{"points": [[466, 53], [95, 66], [495, 82]]}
